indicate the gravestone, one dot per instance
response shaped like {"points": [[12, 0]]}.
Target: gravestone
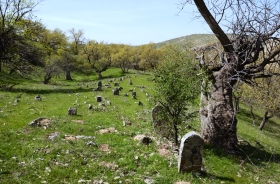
{"points": [[116, 91], [98, 99], [161, 125], [134, 95], [72, 111], [90, 106], [99, 85], [130, 82], [116, 84], [190, 153]]}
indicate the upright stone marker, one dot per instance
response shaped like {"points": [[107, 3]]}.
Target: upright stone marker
{"points": [[190, 153], [116, 91], [161, 124], [99, 99], [99, 86]]}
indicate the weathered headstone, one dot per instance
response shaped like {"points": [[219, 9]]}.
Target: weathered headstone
{"points": [[116, 91], [134, 95], [130, 82], [72, 111], [90, 106], [161, 125], [98, 99], [190, 153], [99, 85]]}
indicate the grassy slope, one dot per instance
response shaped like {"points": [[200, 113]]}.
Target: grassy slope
{"points": [[28, 156], [191, 41]]}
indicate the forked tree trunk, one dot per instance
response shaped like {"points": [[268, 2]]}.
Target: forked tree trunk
{"points": [[265, 118], [99, 75], [217, 113]]}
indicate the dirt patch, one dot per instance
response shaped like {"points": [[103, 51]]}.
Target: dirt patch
{"points": [[164, 152], [104, 147], [107, 130], [78, 121]]}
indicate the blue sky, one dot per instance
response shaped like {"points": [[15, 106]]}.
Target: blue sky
{"points": [[133, 22]]}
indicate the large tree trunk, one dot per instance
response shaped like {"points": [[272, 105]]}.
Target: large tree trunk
{"points": [[68, 75], [217, 112]]}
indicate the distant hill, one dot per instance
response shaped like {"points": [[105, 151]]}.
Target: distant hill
{"points": [[190, 41]]}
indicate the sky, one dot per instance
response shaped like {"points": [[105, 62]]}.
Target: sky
{"points": [[133, 22]]}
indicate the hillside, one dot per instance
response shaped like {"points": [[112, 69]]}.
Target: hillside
{"points": [[190, 41], [95, 146]]}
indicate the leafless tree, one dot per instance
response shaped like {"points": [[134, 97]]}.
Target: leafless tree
{"points": [[248, 33]]}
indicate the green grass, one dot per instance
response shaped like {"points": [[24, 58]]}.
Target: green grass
{"points": [[27, 155]]}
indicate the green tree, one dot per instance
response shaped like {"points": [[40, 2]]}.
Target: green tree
{"points": [[99, 56], [123, 57], [54, 43], [176, 86], [17, 29], [149, 56]]}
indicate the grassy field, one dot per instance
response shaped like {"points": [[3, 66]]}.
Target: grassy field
{"points": [[94, 146]]}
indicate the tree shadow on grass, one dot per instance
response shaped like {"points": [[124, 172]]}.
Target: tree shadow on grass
{"points": [[258, 155], [48, 91], [271, 126]]}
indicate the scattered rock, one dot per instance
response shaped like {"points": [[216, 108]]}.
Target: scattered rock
{"points": [[72, 111], [108, 130], [90, 143], [37, 97], [53, 136], [89, 107], [78, 121], [149, 181], [77, 137], [143, 139], [108, 165], [182, 182], [126, 122], [41, 122]]}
